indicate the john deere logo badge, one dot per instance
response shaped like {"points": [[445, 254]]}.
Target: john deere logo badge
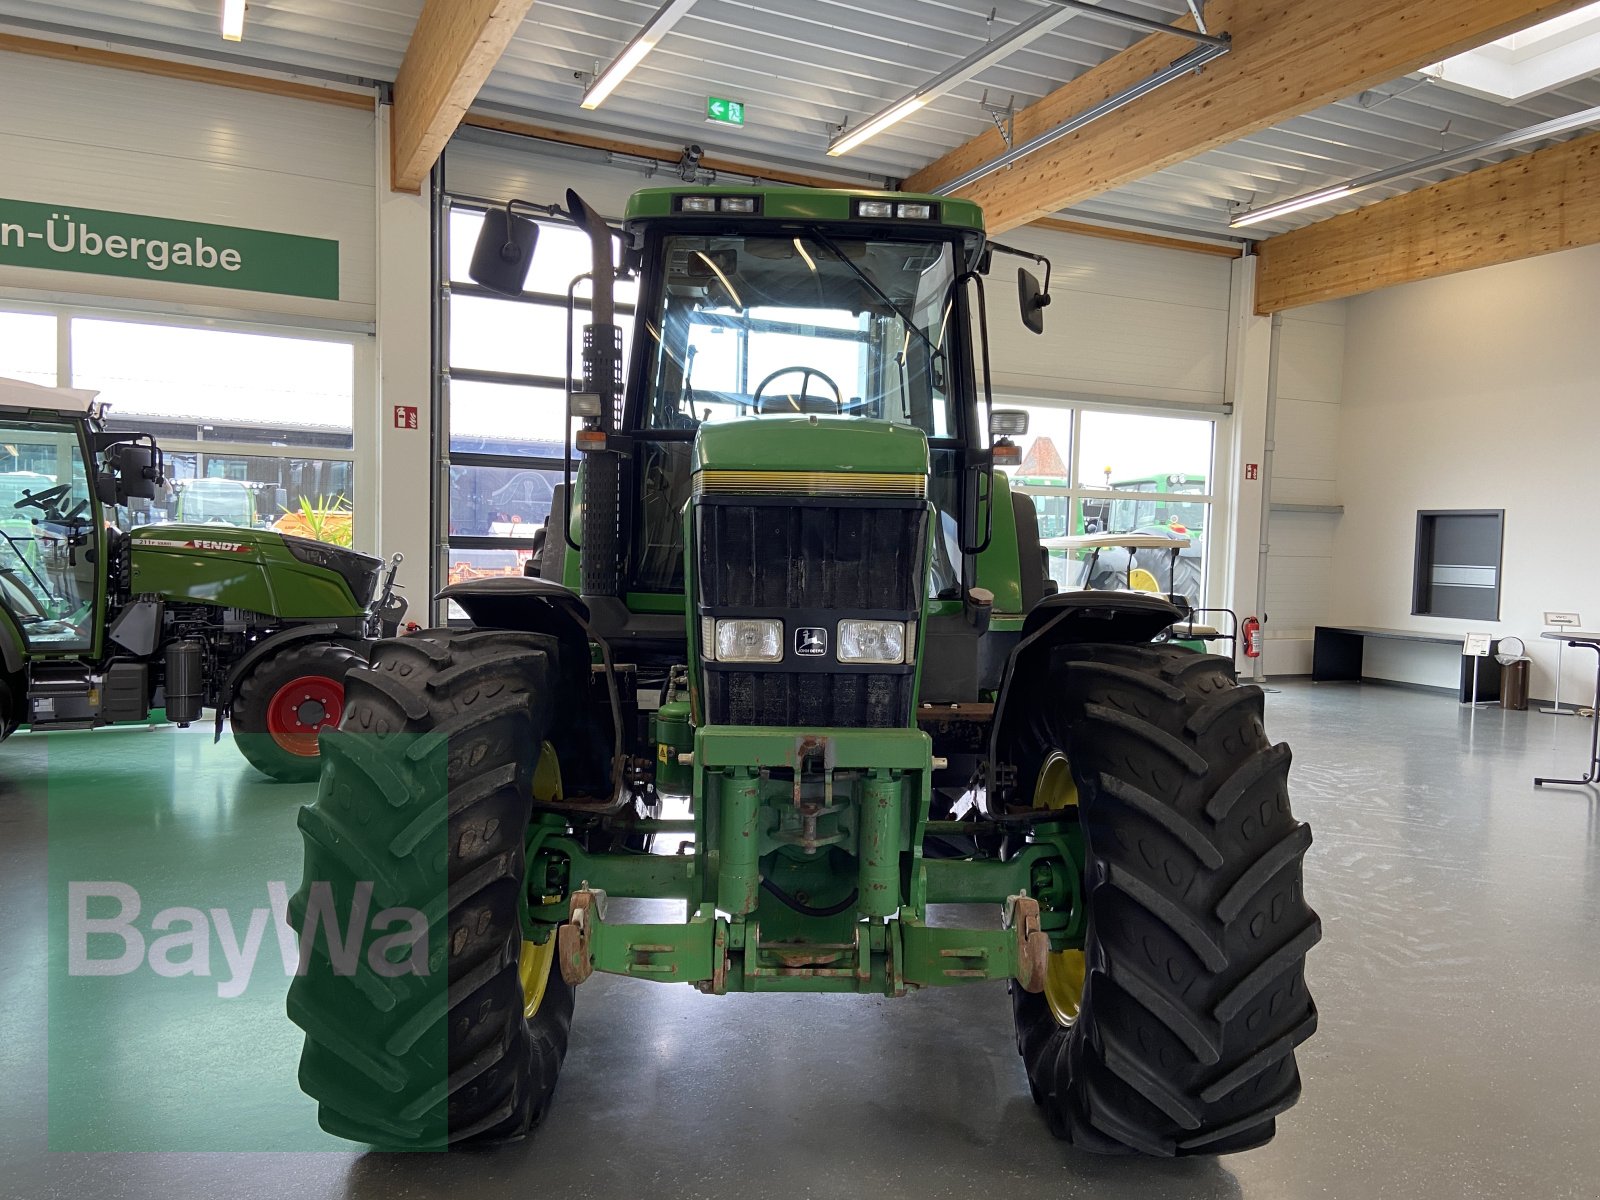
{"points": [[811, 641]]}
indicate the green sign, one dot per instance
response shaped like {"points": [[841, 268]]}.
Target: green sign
{"points": [[727, 112], [64, 237]]}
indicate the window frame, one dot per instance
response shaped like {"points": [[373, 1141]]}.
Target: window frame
{"points": [[201, 447], [448, 457], [1075, 492]]}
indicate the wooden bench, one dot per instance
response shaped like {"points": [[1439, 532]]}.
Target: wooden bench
{"points": [[1337, 652]]}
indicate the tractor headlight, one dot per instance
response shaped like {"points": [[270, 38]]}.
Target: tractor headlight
{"points": [[881, 642], [747, 639]]}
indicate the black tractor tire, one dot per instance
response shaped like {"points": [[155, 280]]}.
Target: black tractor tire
{"points": [[1198, 926], [280, 749], [13, 693], [426, 793]]}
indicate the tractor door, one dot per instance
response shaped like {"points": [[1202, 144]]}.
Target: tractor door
{"points": [[52, 579]]}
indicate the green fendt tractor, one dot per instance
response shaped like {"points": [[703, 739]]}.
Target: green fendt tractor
{"points": [[794, 589], [101, 624]]}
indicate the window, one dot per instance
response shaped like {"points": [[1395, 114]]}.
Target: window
{"points": [[755, 326], [255, 423], [1092, 471], [28, 347], [280, 385], [1458, 564], [505, 396]]}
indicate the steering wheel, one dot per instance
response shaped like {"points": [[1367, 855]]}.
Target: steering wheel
{"points": [[806, 374], [44, 501]]}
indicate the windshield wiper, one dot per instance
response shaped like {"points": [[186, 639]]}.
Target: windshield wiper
{"points": [[827, 244]]}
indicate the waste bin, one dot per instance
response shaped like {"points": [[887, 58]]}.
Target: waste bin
{"points": [[1514, 684]]}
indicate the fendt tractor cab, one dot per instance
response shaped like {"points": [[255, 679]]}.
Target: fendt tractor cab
{"points": [[101, 623], [789, 584]]}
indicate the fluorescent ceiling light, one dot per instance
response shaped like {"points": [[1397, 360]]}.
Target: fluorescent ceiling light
{"points": [[871, 128], [952, 77], [1310, 200], [232, 20], [651, 32], [1504, 141], [1198, 57]]}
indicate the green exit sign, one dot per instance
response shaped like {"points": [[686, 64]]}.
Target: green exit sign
{"points": [[726, 112]]}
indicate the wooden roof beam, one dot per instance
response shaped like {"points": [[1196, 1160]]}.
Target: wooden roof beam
{"points": [[1535, 204], [454, 46], [1288, 57]]}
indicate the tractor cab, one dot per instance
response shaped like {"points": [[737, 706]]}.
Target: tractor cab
{"points": [[843, 311], [59, 473]]}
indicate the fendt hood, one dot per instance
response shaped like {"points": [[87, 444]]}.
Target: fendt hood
{"points": [[260, 570]]}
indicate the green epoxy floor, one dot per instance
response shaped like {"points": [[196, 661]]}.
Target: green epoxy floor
{"points": [[1458, 981]]}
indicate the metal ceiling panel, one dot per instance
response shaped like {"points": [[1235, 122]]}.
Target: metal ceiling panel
{"points": [[803, 66]]}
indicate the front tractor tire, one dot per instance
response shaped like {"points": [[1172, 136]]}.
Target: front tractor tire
{"points": [[285, 701], [1173, 1033], [425, 796]]}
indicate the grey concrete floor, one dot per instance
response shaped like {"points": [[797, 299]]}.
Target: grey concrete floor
{"points": [[1459, 984]]}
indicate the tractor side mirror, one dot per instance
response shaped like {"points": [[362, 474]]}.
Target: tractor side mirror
{"points": [[504, 252], [1033, 300], [105, 487], [136, 473]]}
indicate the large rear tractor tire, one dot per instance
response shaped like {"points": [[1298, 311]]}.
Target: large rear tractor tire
{"points": [[1173, 1031], [426, 795], [285, 701]]}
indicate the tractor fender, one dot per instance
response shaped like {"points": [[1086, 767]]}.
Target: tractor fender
{"points": [[331, 631], [523, 603], [1065, 619]]}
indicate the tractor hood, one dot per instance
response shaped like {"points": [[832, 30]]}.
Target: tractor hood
{"points": [[259, 570], [836, 445]]}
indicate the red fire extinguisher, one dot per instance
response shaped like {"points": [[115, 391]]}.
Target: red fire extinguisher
{"points": [[1251, 628]]}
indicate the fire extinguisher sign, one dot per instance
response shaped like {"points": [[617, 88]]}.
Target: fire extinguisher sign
{"points": [[1251, 470], [405, 416]]}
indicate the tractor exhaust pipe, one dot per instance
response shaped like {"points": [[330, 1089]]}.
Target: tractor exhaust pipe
{"points": [[602, 377]]}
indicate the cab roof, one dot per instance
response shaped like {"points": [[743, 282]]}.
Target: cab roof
{"points": [[808, 204], [15, 393]]}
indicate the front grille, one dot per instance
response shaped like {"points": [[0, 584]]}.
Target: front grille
{"points": [[810, 564], [860, 701]]}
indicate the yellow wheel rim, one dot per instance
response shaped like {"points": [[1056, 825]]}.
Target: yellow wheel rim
{"points": [[1055, 788], [1063, 984], [533, 968], [547, 776]]}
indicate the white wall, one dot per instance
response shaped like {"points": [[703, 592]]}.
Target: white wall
{"points": [[1479, 390], [98, 137], [1305, 439]]}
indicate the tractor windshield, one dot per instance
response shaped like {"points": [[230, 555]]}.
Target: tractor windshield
{"points": [[755, 326]]}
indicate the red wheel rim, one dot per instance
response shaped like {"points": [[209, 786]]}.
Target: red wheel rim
{"points": [[302, 707]]}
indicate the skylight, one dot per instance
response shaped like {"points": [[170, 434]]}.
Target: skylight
{"points": [[1538, 59]]}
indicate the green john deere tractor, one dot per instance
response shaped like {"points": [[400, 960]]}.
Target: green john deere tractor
{"points": [[102, 621], [789, 584]]}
